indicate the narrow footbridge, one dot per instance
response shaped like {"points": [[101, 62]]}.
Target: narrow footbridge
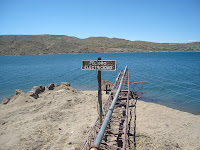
{"points": [[113, 132]]}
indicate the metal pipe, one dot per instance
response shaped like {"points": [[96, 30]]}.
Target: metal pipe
{"points": [[98, 116], [100, 135]]}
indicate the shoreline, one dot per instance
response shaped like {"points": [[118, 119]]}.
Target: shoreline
{"points": [[110, 53], [173, 129], [81, 90], [62, 118], [170, 107]]}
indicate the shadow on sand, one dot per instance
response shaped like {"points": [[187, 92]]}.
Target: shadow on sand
{"points": [[132, 122]]}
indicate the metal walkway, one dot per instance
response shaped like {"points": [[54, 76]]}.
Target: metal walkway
{"points": [[112, 134]]}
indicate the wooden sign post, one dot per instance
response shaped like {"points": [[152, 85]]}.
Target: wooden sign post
{"points": [[99, 93], [100, 65]]}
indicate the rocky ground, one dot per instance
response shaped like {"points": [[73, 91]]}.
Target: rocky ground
{"points": [[60, 119]]}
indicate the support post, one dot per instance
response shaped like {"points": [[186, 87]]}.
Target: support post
{"points": [[99, 94]]}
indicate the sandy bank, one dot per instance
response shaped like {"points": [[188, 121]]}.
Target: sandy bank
{"points": [[160, 127], [60, 119]]}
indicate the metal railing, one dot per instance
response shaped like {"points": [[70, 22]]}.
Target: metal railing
{"points": [[114, 103], [99, 137]]}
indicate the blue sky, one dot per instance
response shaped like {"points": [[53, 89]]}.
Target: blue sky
{"points": [[163, 21]]}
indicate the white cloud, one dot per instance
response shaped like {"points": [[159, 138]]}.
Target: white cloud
{"points": [[192, 40]]}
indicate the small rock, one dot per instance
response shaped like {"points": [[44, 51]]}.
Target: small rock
{"points": [[50, 86], [18, 92], [177, 145], [36, 90], [166, 144], [42, 88], [107, 83], [65, 83], [70, 143], [33, 95], [5, 101], [56, 85], [59, 129]]}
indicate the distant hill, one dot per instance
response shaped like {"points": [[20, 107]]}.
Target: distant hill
{"points": [[60, 44]]}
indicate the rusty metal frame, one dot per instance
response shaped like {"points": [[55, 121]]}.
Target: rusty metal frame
{"points": [[115, 135]]}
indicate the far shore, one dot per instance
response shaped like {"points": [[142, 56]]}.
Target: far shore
{"points": [[110, 52], [62, 118], [63, 44]]}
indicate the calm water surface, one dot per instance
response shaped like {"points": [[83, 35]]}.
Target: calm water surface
{"points": [[173, 78]]}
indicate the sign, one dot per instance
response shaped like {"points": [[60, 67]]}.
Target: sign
{"points": [[108, 65]]}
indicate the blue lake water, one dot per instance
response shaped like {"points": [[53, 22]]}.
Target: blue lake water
{"points": [[173, 78]]}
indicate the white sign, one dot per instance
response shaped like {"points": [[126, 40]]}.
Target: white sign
{"points": [[109, 65]]}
